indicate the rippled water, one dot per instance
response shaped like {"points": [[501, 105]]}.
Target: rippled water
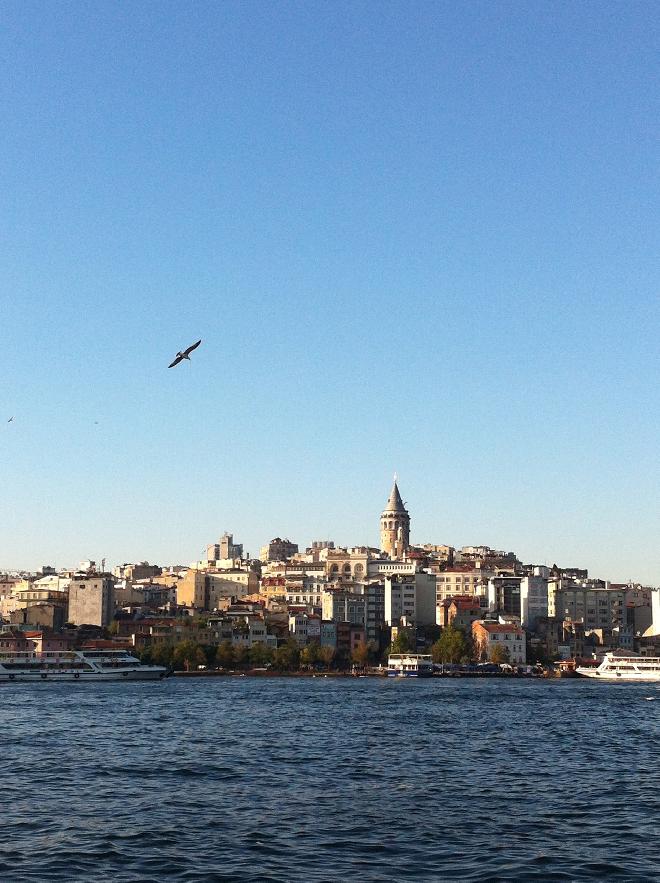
{"points": [[321, 779]]}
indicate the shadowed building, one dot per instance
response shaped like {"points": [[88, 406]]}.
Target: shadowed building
{"points": [[91, 600], [278, 550]]}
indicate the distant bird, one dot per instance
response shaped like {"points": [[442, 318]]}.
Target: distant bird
{"points": [[11, 420], [184, 355]]}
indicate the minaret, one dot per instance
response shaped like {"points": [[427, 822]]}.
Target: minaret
{"points": [[394, 525]]}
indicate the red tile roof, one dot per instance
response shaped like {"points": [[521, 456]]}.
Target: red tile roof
{"points": [[498, 627]]}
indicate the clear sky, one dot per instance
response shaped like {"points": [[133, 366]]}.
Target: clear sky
{"points": [[414, 236]]}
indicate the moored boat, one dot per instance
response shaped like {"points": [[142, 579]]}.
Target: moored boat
{"points": [[409, 665], [76, 665], [623, 668]]}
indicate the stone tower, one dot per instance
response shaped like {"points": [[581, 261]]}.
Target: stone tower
{"points": [[394, 525]]}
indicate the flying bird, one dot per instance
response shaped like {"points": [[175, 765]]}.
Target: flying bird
{"points": [[11, 420], [184, 355]]}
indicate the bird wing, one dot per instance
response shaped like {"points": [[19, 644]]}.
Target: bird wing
{"points": [[191, 348], [175, 362]]}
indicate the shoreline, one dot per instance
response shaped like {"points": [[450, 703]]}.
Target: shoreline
{"points": [[252, 673]]}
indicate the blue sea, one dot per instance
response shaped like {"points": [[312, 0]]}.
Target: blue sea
{"points": [[322, 779]]}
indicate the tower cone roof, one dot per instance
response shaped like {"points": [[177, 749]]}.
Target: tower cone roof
{"points": [[395, 503]]}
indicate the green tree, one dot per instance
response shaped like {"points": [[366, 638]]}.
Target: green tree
{"points": [[360, 655], [499, 653], [374, 651], [188, 655], [224, 655], [341, 659], [430, 633], [161, 654], [402, 643], [327, 656], [451, 647], [113, 628], [471, 651], [287, 656], [309, 655], [260, 655], [146, 655], [241, 655]]}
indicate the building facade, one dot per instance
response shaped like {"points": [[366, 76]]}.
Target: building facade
{"points": [[278, 550], [488, 635], [91, 600], [411, 598], [343, 606], [205, 590], [597, 606]]}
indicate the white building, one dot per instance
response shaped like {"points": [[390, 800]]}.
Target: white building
{"points": [[25, 593], [598, 606], [412, 597], [533, 600], [256, 633], [343, 606], [522, 597], [461, 580], [653, 630], [385, 567], [305, 628], [487, 635], [374, 607]]}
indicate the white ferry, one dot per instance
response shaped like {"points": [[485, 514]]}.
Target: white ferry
{"points": [[624, 668], [409, 665], [76, 665]]}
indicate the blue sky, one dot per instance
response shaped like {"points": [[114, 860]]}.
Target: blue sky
{"points": [[419, 237]]}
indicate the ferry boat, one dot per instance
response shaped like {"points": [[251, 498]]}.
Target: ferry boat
{"points": [[624, 668], [409, 665], [76, 665]]}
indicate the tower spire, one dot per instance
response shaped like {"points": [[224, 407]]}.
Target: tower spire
{"points": [[394, 524], [394, 502]]}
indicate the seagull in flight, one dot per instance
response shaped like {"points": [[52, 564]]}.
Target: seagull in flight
{"points": [[184, 355]]}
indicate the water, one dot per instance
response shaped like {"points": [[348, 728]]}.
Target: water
{"points": [[320, 780]]}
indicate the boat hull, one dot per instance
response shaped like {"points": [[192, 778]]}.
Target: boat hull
{"points": [[81, 677], [409, 674], [618, 677]]}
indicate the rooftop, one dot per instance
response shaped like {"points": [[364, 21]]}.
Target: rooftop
{"points": [[498, 627]]}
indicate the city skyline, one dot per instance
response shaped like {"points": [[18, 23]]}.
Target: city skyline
{"points": [[413, 237], [385, 543], [256, 259]]}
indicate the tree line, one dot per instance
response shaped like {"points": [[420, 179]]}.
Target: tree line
{"points": [[453, 645], [189, 655]]}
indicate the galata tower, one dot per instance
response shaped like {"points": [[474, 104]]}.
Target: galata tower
{"points": [[394, 525]]}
